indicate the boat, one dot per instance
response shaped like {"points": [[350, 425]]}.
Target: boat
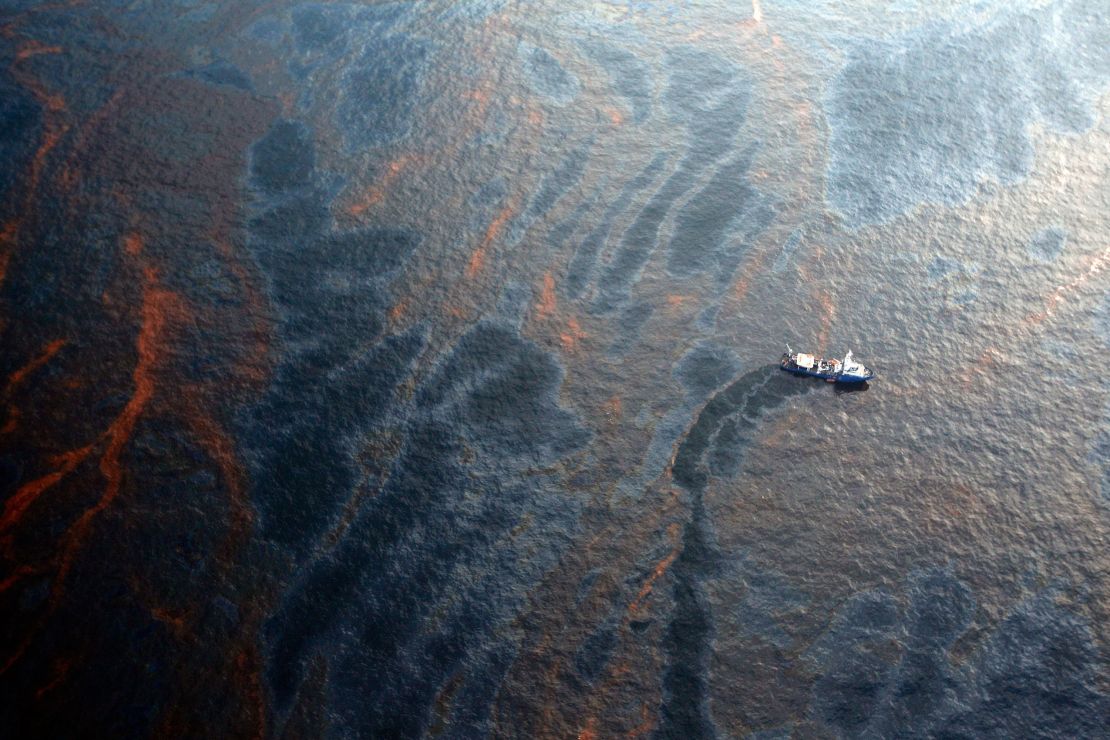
{"points": [[831, 370]]}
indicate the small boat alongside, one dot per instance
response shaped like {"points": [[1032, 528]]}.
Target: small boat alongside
{"points": [[832, 370]]}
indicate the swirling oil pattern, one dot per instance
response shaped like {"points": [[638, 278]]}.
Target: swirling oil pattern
{"points": [[408, 369]]}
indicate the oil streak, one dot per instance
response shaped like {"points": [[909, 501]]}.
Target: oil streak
{"points": [[685, 711]]}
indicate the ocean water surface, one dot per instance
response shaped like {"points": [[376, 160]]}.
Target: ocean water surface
{"points": [[408, 369]]}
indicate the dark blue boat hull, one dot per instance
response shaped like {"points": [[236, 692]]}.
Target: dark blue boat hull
{"points": [[826, 376]]}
